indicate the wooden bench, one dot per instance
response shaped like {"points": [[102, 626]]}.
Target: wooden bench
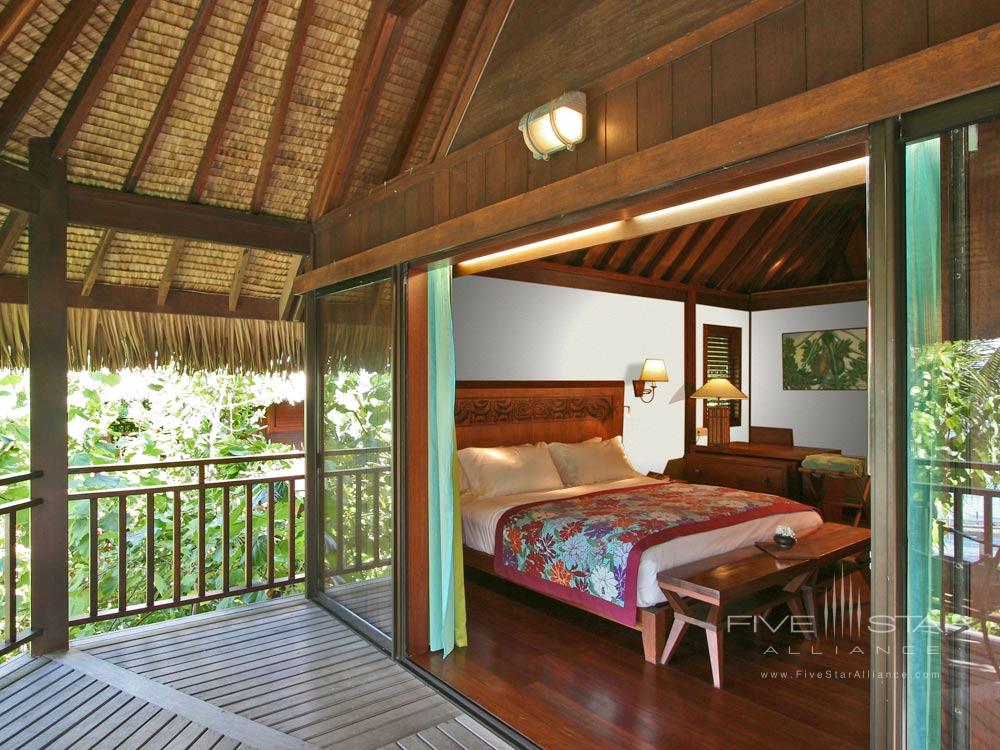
{"points": [[700, 593]]}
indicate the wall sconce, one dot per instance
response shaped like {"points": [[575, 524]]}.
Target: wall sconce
{"points": [[721, 391], [559, 124], [653, 371]]}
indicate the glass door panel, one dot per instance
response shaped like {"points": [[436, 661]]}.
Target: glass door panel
{"points": [[952, 231], [356, 329]]}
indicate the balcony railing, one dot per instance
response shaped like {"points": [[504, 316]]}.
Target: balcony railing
{"points": [[971, 503], [13, 636]]}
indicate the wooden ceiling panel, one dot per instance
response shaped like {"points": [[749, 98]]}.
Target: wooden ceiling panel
{"points": [[805, 242]]}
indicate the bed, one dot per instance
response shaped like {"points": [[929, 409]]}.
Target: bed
{"points": [[508, 413]]}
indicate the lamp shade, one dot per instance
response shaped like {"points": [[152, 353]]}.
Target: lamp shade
{"points": [[557, 125], [654, 371], [719, 388]]}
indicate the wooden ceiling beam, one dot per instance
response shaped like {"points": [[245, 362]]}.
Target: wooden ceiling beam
{"points": [[693, 254], [743, 277], [115, 40], [14, 290], [280, 111], [379, 43], [236, 288], [650, 252], [773, 233], [225, 107], [479, 55], [624, 254], [13, 17], [169, 269], [718, 253], [285, 300], [10, 232], [800, 235], [128, 212], [96, 262], [678, 242], [593, 256], [805, 271], [405, 8], [847, 291], [166, 102], [445, 50], [64, 32]]}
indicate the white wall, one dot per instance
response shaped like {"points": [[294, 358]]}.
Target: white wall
{"points": [[721, 316], [825, 419], [511, 330]]}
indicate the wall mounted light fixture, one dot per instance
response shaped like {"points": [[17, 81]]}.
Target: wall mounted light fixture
{"points": [[653, 371], [557, 125]]}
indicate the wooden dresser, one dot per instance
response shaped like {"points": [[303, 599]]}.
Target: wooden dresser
{"points": [[758, 467]]}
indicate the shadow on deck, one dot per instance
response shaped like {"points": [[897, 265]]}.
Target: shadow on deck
{"points": [[276, 675]]}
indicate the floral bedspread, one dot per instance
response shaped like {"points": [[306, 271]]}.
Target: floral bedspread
{"points": [[586, 549]]}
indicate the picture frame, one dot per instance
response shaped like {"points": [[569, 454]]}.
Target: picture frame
{"points": [[825, 360]]}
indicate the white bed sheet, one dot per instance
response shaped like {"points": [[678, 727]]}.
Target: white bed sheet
{"points": [[480, 518]]}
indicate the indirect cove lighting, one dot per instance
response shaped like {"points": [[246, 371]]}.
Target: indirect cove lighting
{"points": [[653, 371], [784, 189], [557, 125]]}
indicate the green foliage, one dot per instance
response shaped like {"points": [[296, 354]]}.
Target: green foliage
{"points": [[145, 417], [824, 360]]}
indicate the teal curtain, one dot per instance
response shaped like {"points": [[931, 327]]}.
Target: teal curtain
{"points": [[447, 584], [923, 306]]}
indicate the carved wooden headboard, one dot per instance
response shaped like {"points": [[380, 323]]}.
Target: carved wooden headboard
{"points": [[511, 412]]}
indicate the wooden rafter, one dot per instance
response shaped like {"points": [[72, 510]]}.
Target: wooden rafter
{"points": [[405, 8], [167, 279], [96, 261], [379, 43], [482, 49], [281, 104], [166, 101], [236, 287], [225, 106], [693, 254], [445, 50], [10, 232], [286, 298], [650, 251], [594, 255], [673, 251], [96, 76], [783, 254], [624, 254], [13, 17], [42, 65], [717, 253], [735, 265], [808, 265]]}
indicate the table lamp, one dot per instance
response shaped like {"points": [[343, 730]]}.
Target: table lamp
{"points": [[721, 391]]}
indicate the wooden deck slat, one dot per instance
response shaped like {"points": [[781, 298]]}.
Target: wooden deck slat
{"points": [[367, 714], [478, 730], [382, 729], [167, 734], [363, 704], [19, 668], [68, 715], [97, 721], [49, 715], [132, 710], [321, 698], [28, 699]]}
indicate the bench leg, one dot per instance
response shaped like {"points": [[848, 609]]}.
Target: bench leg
{"points": [[653, 621], [677, 631], [714, 631]]}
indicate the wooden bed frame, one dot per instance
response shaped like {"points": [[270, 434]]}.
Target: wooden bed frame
{"points": [[503, 412]]}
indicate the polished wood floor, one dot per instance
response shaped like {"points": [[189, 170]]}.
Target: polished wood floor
{"points": [[281, 675], [567, 679]]}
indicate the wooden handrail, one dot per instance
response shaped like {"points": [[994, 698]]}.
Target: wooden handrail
{"points": [[8, 479]]}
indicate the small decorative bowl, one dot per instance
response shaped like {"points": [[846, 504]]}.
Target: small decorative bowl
{"points": [[785, 542]]}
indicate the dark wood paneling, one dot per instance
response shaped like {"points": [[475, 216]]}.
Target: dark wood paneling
{"points": [[593, 151], [654, 106], [517, 166], [833, 40], [620, 121], [420, 206], [948, 19], [495, 165], [692, 79], [892, 29], [562, 165], [394, 216], [458, 190], [475, 187], [781, 55], [733, 88]]}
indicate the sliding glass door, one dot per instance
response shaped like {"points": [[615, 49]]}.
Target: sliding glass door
{"points": [[355, 329], [951, 202]]}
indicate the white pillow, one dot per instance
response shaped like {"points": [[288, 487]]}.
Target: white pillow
{"points": [[509, 470], [592, 462]]}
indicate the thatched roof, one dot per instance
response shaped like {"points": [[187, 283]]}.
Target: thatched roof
{"points": [[231, 103]]}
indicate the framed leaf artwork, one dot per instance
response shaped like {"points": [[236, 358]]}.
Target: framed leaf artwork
{"points": [[835, 360]]}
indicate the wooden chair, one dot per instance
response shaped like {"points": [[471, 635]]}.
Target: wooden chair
{"points": [[772, 435], [836, 493], [976, 593]]}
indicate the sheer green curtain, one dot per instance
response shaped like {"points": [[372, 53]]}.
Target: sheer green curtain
{"points": [[447, 584], [923, 309]]}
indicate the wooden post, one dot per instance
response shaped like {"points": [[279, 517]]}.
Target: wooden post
{"points": [[315, 558], [48, 391], [690, 366]]}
